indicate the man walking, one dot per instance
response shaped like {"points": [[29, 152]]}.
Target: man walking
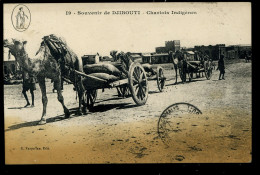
{"points": [[28, 84], [221, 67]]}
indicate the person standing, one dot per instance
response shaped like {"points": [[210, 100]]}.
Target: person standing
{"points": [[28, 84], [221, 67], [20, 18]]}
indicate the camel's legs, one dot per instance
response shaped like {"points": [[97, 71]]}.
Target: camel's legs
{"points": [[41, 81], [57, 84]]}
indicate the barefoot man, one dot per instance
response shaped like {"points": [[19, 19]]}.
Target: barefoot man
{"points": [[28, 84]]}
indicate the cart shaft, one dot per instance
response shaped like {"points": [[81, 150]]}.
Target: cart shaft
{"points": [[89, 76]]}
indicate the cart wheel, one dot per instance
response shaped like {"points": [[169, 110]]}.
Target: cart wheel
{"points": [[208, 69], [160, 78], [90, 97], [138, 84]]}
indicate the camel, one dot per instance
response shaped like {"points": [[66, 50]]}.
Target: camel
{"points": [[47, 65], [180, 62]]}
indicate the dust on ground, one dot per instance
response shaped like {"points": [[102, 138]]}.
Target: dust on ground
{"points": [[121, 132]]}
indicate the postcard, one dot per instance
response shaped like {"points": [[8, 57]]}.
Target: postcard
{"points": [[120, 83]]}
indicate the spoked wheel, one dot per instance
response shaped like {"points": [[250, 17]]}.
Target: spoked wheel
{"points": [[208, 69], [138, 84], [90, 97], [160, 78]]}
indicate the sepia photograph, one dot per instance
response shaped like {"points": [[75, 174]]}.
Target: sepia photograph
{"points": [[127, 83]]}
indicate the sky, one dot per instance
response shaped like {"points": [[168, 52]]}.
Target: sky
{"points": [[213, 23]]}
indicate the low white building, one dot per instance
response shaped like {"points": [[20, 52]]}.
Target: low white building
{"points": [[91, 58]]}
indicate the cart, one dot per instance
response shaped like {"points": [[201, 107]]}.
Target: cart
{"points": [[136, 82], [123, 91], [155, 75], [196, 67]]}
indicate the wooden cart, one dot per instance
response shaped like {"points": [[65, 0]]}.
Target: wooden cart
{"points": [[196, 67], [155, 75], [136, 82]]}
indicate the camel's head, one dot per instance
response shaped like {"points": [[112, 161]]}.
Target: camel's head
{"points": [[7, 43], [14, 45]]}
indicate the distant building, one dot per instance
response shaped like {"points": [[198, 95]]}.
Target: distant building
{"points": [[136, 57], [173, 46], [213, 52], [161, 50], [90, 58], [230, 52], [156, 58], [187, 49], [147, 58], [244, 49]]}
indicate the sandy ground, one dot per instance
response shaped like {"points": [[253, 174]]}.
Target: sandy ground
{"points": [[121, 132]]}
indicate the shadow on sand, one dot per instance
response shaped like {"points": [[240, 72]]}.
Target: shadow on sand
{"points": [[73, 114], [107, 107], [16, 107], [116, 98], [49, 120], [21, 107], [153, 92], [192, 81]]}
